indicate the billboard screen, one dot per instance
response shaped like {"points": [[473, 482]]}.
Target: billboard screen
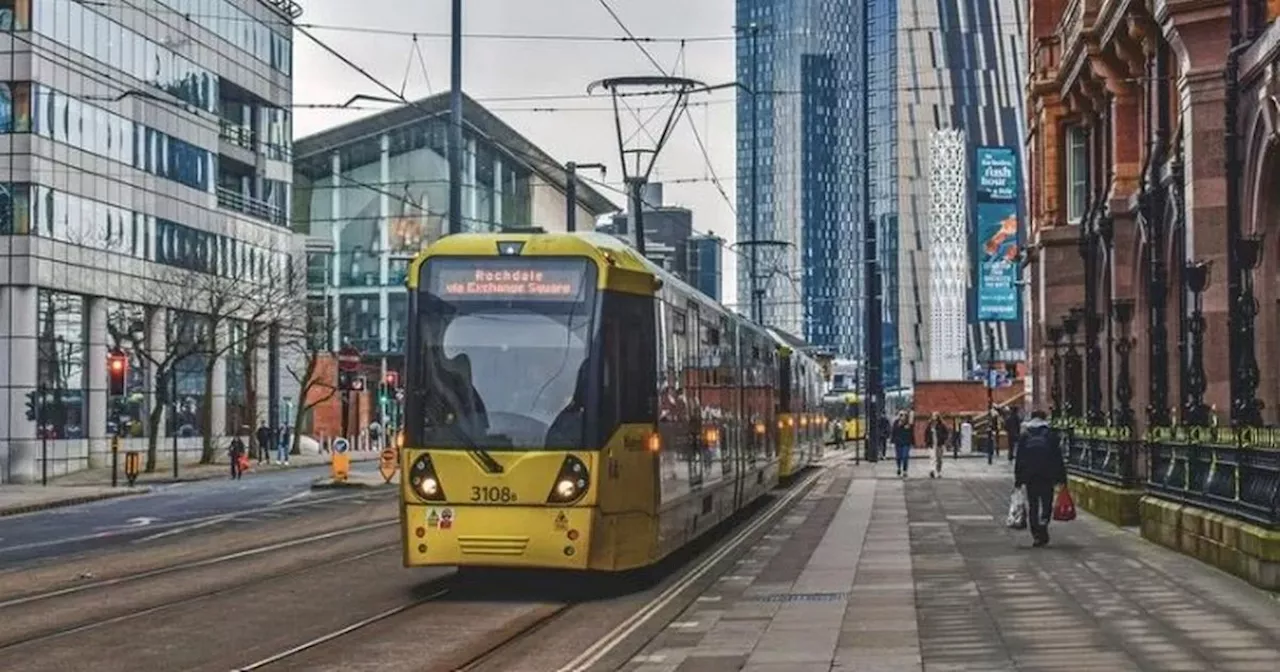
{"points": [[997, 186]]}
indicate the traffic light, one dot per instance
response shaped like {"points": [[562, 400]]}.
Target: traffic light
{"points": [[393, 380], [117, 372], [344, 380], [357, 382], [33, 401]]}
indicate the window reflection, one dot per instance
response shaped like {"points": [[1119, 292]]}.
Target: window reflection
{"points": [[127, 330], [237, 375], [187, 337], [84, 30], [15, 208], [270, 44], [62, 355], [69, 120], [359, 324], [15, 107], [15, 14]]}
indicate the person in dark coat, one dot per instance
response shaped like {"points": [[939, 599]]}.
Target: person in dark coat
{"points": [[1039, 466], [935, 439], [236, 452], [1013, 426], [903, 437]]}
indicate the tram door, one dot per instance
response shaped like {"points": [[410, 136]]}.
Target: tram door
{"points": [[696, 382]]}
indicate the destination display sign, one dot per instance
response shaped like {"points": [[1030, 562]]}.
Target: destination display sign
{"points": [[533, 279]]}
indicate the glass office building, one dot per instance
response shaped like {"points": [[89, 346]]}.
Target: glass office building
{"points": [[814, 96], [371, 194], [930, 66], [961, 68], [147, 150], [706, 264]]}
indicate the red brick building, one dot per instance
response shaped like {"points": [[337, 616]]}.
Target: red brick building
{"points": [[1128, 199]]}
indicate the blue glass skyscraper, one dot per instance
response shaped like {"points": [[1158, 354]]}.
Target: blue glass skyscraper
{"points": [[808, 84], [929, 66]]}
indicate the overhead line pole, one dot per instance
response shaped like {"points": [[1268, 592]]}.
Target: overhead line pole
{"points": [[455, 121]]}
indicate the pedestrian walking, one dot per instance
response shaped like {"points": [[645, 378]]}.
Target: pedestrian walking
{"points": [[282, 450], [1013, 427], [236, 452], [1039, 467], [903, 438], [264, 443], [935, 437]]}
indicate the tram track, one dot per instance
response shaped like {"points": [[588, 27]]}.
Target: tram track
{"points": [[109, 602], [432, 618]]}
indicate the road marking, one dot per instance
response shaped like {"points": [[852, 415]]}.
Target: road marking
{"points": [[293, 497], [250, 552], [338, 633], [619, 634], [185, 528], [104, 535]]}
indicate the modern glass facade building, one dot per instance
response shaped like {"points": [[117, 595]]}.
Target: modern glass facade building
{"points": [[929, 66], [706, 264], [146, 154], [371, 194], [815, 95], [961, 68]]}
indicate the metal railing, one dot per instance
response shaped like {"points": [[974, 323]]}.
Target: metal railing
{"points": [[1221, 469], [229, 198], [1236, 473], [1106, 454]]}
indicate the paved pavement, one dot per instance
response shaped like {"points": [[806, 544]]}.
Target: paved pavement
{"points": [[165, 510], [873, 572]]}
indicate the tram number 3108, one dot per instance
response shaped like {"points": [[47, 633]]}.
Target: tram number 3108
{"points": [[492, 494]]}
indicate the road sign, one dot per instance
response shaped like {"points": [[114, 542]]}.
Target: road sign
{"points": [[390, 464], [349, 358], [341, 446]]}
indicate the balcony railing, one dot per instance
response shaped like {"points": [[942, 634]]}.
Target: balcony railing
{"points": [[234, 200], [236, 134], [244, 136]]}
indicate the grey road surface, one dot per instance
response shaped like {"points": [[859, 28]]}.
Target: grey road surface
{"points": [[167, 510]]}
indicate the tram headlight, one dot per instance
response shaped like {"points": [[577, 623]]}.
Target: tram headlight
{"points": [[571, 483], [566, 489], [424, 481]]}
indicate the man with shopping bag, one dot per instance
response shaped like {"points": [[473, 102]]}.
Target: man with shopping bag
{"points": [[1039, 467]]}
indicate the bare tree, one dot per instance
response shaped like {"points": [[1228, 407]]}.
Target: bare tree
{"points": [[129, 327], [305, 341]]}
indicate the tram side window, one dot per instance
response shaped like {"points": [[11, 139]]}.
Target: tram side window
{"points": [[629, 388]]}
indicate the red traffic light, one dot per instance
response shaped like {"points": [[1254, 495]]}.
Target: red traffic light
{"points": [[117, 365], [392, 379]]}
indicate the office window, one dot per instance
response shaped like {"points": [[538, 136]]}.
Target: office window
{"points": [[1076, 159]]}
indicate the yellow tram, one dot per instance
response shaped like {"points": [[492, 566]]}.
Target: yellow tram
{"points": [[801, 422], [847, 408], [571, 405]]}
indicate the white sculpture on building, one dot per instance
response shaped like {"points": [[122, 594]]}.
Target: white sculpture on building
{"points": [[948, 254]]}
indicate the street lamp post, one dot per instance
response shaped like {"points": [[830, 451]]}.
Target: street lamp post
{"points": [[1122, 312], [1071, 384], [1194, 408], [1054, 334]]}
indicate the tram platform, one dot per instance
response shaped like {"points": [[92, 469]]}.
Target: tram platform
{"points": [[873, 572]]}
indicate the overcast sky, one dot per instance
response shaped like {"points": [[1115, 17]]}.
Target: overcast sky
{"points": [[506, 68]]}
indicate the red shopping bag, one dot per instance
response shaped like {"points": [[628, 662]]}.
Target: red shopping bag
{"points": [[244, 462], [1064, 508]]}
